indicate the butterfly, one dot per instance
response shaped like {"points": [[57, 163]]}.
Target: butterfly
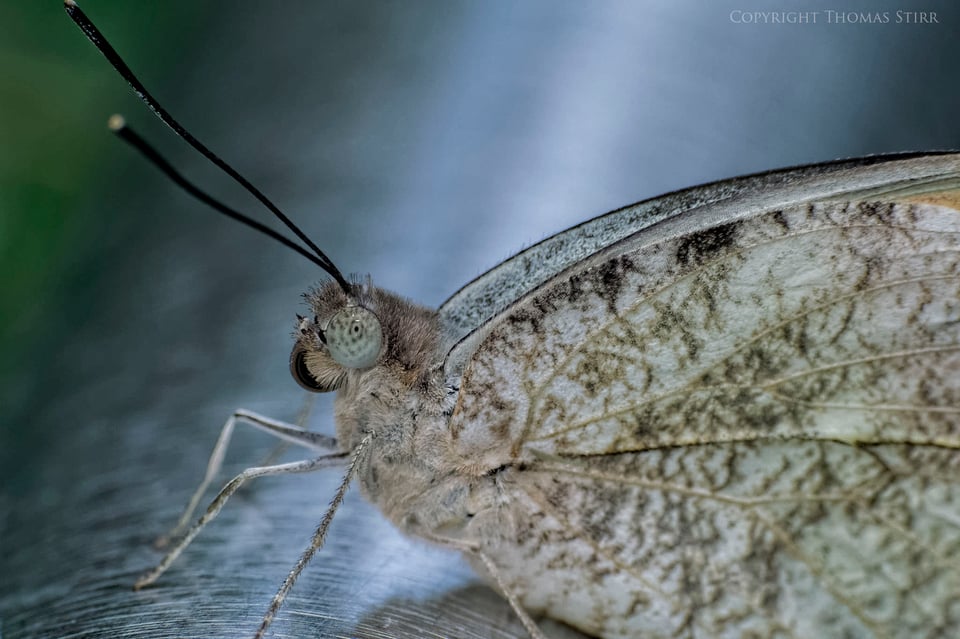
{"points": [[729, 411]]}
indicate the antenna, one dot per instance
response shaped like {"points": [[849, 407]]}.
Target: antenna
{"points": [[119, 126], [97, 38]]}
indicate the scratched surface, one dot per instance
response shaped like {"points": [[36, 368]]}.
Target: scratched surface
{"points": [[420, 144]]}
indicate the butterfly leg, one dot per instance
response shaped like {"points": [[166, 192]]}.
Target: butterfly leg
{"points": [[302, 416], [474, 549], [282, 430], [305, 466], [319, 536]]}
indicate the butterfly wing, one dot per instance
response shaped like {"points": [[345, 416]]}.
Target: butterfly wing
{"points": [[478, 302], [743, 418], [795, 538]]}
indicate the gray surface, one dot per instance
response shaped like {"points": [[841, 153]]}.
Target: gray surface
{"points": [[419, 142]]}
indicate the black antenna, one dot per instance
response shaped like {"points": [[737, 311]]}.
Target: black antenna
{"points": [[93, 34], [119, 126]]}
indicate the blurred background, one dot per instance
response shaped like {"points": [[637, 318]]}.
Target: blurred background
{"points": [[421, 142]]}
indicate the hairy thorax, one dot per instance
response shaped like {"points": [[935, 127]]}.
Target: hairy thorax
{"points": [[411, 470]]}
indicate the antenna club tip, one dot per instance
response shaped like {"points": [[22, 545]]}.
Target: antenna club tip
{"points": [[116, 121], [69, 4]]}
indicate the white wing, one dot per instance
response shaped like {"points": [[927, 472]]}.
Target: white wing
{"points": [[487, 296], [744, 419], [742, 303]]}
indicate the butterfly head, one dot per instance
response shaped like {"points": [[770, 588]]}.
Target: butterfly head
{"points": [[356, 333]]}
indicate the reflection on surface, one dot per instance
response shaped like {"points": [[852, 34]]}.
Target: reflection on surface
{"points": [[469, 612]]}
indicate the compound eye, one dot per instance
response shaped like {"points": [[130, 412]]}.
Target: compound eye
{"points": [[354, 337], [302, 375]]}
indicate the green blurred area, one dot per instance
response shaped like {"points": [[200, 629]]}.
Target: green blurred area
{"points": [[56, 92]]}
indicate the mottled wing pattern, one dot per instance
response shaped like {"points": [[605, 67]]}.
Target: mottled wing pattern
{"points": [[751, 539], [475, 307], [741, 426], [833, 321]]}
